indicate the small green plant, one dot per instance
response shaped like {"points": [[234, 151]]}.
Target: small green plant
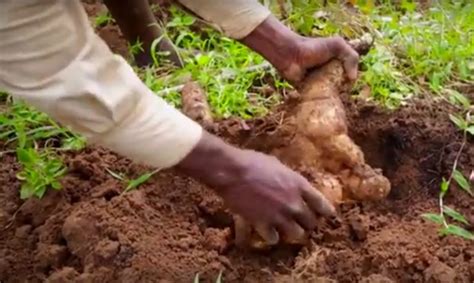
{"points": [[466, 125], [103, 19], [135, 48], [40, 171], [25, 128], [22, 125], [132, 184]]}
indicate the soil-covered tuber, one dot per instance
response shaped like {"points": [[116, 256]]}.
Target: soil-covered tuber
{"points": [[320, 147]]}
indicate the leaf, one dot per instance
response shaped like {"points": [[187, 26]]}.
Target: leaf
{"points": [[462, 182], [74, 143], [433, 217], [153, 48], [132, 184], [470, 130], [24, 156], [39, 192], [457, 231], [56, 185], [26, 191], [455, 215], [459, 122], [458, 98]]}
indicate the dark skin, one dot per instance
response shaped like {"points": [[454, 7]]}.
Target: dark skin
{"points": [[271, 196], [137, 23]]}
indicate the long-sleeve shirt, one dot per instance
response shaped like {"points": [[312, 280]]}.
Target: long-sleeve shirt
{"points": [[51, 58]]}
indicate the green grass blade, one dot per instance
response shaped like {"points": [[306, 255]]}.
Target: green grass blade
{"points": [[455, 215]]}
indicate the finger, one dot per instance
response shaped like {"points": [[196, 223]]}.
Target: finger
{"points": [[350, 60], [347, 55], [316, 200], [351, 64], [291, 232], [303, 216], [268, 233]]}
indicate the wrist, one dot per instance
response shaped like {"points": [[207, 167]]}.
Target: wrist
{"points": [[214, 162], [275, 42]]}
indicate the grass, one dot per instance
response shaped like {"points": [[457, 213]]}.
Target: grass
{"points": [[221, 65], [132, 184], [418, 51], [102, 19]]}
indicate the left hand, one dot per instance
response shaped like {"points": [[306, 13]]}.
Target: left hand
{"points": [[293, 55], [314, 52]]}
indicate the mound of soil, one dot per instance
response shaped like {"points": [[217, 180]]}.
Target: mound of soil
{"points": [[173, 228]]}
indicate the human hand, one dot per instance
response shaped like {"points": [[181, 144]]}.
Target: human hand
{"points": [[311, 53], [293, 55], [270, 196]]}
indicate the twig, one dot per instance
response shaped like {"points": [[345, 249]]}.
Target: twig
{"points": [[12, 219]]}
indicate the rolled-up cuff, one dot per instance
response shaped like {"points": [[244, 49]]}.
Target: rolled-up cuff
{"points": [[235, 18]]}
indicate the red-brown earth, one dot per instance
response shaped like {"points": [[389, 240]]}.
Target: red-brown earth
{"points": [[172, 227]]}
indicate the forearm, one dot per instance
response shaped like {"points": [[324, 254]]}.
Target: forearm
{"points": [[214, 162]]}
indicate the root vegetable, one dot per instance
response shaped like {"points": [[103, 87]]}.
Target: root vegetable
{"points": [[195, 106], [320, 142]]}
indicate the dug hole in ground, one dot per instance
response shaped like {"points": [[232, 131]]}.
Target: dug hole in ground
{"points": [[173, 228]]}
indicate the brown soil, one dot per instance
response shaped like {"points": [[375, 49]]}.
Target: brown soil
{"points": [[172, 227]]}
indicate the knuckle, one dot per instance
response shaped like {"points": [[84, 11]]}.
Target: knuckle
{"points": [[355, 57], [339, 39], [339, 42]]}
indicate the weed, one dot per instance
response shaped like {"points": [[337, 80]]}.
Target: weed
{"points": [[133, 184], [24, 128], [218, 63], [39, 172], [103, 19], [135, 48], [24, 125], [466, 125], [428, 48]]}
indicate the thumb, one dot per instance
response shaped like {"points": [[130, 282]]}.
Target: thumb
{"points": [[269, 234]]}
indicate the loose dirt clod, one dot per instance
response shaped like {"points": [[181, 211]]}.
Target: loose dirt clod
{"points": [[439, 272]]}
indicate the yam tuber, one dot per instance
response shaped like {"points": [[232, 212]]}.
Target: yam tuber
{"points": [[321, 146]]}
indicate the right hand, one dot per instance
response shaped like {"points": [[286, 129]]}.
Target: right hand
{"points": [[274, 199], [270, 196]]}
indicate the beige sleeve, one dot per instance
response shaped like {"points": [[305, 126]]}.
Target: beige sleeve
{"points": [[51, 58], [235, 18]]}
